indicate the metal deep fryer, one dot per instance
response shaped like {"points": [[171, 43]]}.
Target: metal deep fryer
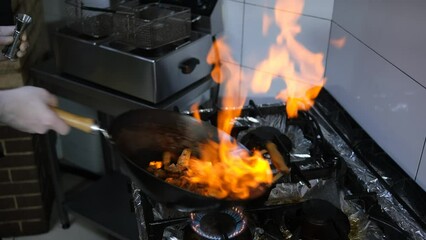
{"points": [[150, 51]]}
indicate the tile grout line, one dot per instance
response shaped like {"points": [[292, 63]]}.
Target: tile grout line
{"points": [[287, 11], [420, 160], [381, 56], [328, 50], [242, 48]]}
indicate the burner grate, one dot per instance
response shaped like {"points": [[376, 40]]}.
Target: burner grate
{"points": [[303, 204], [225, 224]]}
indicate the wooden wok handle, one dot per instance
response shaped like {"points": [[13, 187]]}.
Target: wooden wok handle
{"points": [[76, 121]]}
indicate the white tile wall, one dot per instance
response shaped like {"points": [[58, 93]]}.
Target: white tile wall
{"points": [[421, 173], [235, 70], [384, 101], [232, 13], [277, 85], [395, 29], [314, 34], [316, 8]]}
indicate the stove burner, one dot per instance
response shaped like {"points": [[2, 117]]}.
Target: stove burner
{"points": [[225, 224], [318, 219]]}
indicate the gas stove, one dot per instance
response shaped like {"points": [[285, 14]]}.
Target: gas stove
{"points": [[328, 194]]}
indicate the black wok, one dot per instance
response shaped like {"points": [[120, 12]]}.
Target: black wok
{"points": [[141, 136]]}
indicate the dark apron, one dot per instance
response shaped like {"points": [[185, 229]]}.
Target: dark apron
{"points": [[6, 15]]}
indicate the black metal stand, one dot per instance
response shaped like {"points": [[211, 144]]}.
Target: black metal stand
{"points": [[155, 228], [53, 162], [105, 202]]}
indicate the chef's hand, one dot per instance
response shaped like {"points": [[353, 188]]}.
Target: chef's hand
{"points": [[28, 109], [6, 38]]}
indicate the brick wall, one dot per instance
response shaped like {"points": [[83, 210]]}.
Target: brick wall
{"points": [[25, 190], [25, 195]]}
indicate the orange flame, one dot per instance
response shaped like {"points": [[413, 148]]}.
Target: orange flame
{"points": [[302, 70], [227, 170], [196, 112], [156, 164], [231, 78], [266, 24], [231, 173], [338, 43]]}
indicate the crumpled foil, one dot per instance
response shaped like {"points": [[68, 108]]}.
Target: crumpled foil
{"points": [[361, 227], [137, 202], [387, 202]]}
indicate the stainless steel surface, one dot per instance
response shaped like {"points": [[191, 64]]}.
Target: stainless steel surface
{"points": [[153, 79], [22, 22], [110, 102], [151, 75]]}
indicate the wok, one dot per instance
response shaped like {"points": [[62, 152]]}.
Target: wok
{"points": [[141, 136]]}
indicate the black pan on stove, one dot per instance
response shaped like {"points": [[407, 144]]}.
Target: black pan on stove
{"points": [[141, 136]]}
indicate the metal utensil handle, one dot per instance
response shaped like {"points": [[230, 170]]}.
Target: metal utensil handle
{"points": [[10, 51], [22, 22]]}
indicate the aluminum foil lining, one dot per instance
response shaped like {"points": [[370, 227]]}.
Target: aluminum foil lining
{"points": [[387, 202], [140, 219]]}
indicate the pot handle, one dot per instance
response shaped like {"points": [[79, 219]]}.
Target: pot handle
{"points": [[84, 124], [189, 65]]}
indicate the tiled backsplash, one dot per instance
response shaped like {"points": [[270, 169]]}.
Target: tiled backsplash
{"points": [[380, 98], [378, 76], [421, 172], [314, 35], [243, 32], [315, 8], [391, 29]]}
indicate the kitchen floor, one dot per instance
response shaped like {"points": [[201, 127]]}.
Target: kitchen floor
{"points": [[80, 228]]}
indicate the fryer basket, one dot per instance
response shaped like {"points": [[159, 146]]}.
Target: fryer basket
{"points": [[90, 23], [152, 25]]}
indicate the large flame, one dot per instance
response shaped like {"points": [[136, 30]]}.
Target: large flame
{"points": [[302, 70], [229, 172], [196, 112], [225, 169], [338, 43]]}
